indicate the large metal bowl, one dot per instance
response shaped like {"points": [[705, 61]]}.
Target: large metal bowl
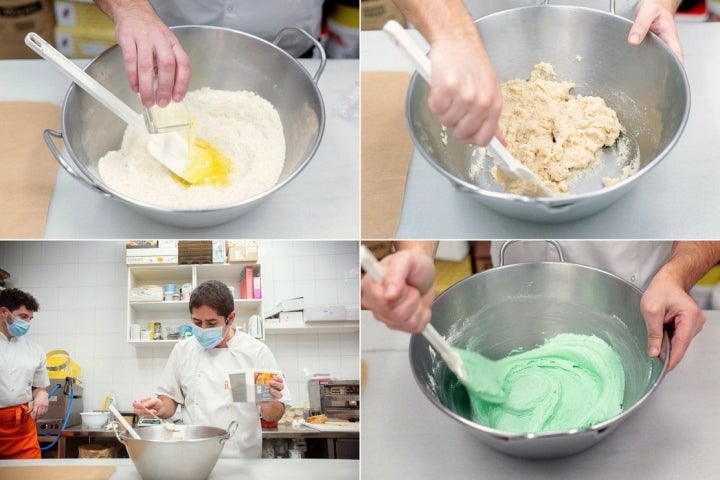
{"points": [[157, 457], [646, 85], [517, 306], [220, 58]]}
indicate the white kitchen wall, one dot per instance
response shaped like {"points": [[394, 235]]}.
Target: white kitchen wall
{"points": [[82, 290]]}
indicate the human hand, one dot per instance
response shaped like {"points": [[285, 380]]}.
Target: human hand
{"points": [[465, 93], [657, 16], [40, 404], [149, 45], [277, 385], [147, 406], [665, 301], [403, 300]]}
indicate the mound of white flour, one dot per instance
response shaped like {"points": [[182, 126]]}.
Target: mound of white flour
{"points": [[241, 125]]}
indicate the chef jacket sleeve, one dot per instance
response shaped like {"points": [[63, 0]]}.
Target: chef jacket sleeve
{"points": [[40, 376], [170, 378]]}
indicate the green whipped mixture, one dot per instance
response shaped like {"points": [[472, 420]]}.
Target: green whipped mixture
{"points": [[571, 381]]}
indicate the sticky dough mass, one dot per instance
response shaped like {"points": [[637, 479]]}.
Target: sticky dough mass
{"points": [[571, 381], [551, 131]]}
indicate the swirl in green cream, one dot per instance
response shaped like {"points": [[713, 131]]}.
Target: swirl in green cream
{"points": [[571, 381]]}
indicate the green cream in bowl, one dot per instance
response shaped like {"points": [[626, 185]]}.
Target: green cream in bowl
{"points": [[570, 345]]}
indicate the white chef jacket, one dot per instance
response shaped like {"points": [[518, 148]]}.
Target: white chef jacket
{"points": [[480, 8], [22, 367], [637, 262], [263, 19], [197, 379]]}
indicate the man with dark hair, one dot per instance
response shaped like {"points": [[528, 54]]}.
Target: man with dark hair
{"points": [[23, 377], [196, 374]]}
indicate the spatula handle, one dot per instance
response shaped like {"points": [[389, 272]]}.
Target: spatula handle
{"points": [[84, 81], [452, 359], [373, 268], [123, 422], [402, 39]]}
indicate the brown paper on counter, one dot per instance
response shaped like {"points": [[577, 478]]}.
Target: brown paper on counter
{"points": [[28, 168], [95, 472], [386, 152]]}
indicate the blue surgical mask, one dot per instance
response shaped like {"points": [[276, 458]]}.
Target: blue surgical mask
{"points": [[18, 327], [208, 337]]}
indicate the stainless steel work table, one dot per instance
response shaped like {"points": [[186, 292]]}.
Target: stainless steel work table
{"points": [[676, 199], [226, 469], [321, 202], [72, 437], [673, 435]]}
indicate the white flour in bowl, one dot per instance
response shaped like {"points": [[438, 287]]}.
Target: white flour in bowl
{"points": [[241, 125]]}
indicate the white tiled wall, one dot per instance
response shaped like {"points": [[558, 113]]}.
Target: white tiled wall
{"points": [[82, 290]]}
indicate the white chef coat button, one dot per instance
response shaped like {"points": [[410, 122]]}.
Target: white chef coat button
{"points": [[229, 8], [632, 278]]}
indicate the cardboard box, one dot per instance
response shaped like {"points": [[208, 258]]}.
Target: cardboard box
{"points": [[81, 14], [219, 254], [81, 42], [375, 13], [251, 385], [325, 313], [141, 244], [289, 305], [20, 17], [291, 317], [195, 252], [242, 251], [148, 259], [151, 252]]}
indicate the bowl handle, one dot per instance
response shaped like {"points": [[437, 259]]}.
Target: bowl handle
{"points": [[323, 57], [232, 428], [611, 8], [48, 136], [117, 435], [506, 244]]}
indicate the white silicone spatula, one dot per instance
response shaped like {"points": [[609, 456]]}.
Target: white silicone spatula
{"points": [[170, 149], [504, 160], [123, 422], [481, 379]]}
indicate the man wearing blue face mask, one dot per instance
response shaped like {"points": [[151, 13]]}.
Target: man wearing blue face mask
{"points": [[196, 374], [23, 377]]}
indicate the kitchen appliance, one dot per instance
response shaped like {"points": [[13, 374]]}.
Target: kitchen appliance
{"points": [[517, 307], [51, 423], [646, 85], [223, 59], [335, 398]]}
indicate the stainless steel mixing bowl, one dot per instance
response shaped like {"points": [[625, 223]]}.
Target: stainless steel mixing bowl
{"points": [[516, 306], [157, 457], [220, 58], [646, 85]]}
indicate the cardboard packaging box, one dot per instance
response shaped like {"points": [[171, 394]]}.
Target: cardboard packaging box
{"points": [[81, 42], [81, 14], [20, 17], [291, 317], [240, 251], [251, 385], [375, 13]]}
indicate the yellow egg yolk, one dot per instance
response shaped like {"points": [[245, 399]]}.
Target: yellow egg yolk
{"points": [[206, 165]]}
